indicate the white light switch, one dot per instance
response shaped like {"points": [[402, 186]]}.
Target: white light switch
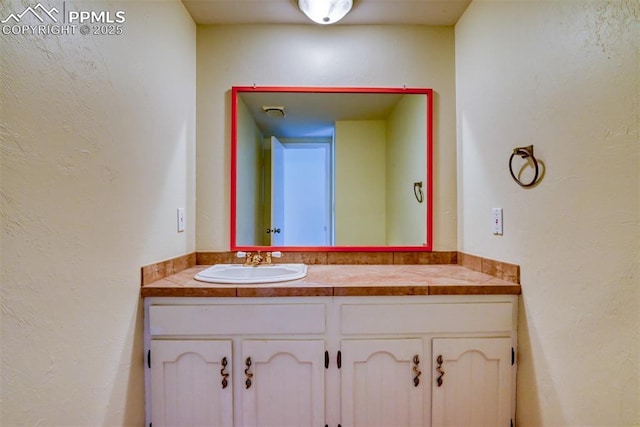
{"points": [[497, 220], [180, 220]]}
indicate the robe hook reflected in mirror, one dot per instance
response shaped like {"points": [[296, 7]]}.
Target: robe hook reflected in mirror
{"points": [[417, 191], [525, 153]]}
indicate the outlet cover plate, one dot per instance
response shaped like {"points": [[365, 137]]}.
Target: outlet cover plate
{"points": [[497, 220], [180, 220]]}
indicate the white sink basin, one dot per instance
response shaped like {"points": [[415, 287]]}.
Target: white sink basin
{"points": [[238, 273]]}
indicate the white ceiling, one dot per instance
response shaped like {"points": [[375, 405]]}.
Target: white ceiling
{"points": [[420, 12], [309, 114]]}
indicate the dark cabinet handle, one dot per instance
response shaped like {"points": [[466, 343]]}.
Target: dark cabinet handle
{"points": [[416, 370], [439, 380], [247, 374], [223, 372]]}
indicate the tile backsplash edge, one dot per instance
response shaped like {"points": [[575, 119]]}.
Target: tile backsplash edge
{"points": [[501, 270], [159, 270], [330, 257]]}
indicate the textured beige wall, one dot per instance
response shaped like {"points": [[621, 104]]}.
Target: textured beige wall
{"points": [[360, 191], [98, 151], [307, 55], [564, 76]]}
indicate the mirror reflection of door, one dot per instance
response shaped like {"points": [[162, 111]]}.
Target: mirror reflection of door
{"points": [[277, 229], [301, 193]]}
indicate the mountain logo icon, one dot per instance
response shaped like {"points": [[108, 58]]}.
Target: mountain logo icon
{"points": [[39, 11]]}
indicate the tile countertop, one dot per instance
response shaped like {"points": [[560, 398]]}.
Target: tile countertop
{"points": [[344, 280]]}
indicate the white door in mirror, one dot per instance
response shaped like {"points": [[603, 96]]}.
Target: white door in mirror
{"points": [[240, 274]]}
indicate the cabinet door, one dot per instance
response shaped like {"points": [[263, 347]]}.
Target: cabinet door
{"points": [[475, 389], [283, 383], [381, 383], [189, 386]]}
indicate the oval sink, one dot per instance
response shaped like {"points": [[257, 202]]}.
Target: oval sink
{"points": [[237, 273]]}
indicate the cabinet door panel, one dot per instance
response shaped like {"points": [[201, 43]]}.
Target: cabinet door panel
{"points": [[287, 383], [476, 385], [378, 386], [186, 383]]}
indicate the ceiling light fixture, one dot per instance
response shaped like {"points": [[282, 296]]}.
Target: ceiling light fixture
{"points": [[325, 11]]}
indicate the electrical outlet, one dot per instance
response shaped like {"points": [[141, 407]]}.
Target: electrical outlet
{"points": [[497, 220], [180, 220]]}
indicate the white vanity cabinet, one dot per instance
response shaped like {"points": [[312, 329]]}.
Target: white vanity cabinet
{"points": [[283, 382], [235, 361], [331, 361], [474, 386], [404, 336], [189, 383], [377, 377]]}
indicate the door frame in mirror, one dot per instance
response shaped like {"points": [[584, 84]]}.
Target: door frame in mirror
{"points": [[428, 188]]}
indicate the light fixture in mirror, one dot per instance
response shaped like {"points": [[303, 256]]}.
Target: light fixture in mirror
{"points": [[338, 172], [325, 11]]}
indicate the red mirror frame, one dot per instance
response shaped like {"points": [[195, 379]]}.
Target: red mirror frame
{"points": [[236, 90]]}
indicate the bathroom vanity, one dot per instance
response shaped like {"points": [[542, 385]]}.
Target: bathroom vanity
{"points": [[399, 345]]}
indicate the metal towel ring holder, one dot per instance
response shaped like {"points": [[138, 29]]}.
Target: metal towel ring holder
{"points": [[524, 152]]}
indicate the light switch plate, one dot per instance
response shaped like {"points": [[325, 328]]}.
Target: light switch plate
{"points": [[497, 220], [180, 220]]}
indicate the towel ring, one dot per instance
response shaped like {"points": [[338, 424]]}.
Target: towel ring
{"points": [[524, 152]]}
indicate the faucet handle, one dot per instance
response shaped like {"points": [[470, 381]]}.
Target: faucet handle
{"points": [[276, 254], [242, 254]]}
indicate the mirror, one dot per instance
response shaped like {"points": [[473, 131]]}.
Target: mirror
{"points": [[331, 169]]}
